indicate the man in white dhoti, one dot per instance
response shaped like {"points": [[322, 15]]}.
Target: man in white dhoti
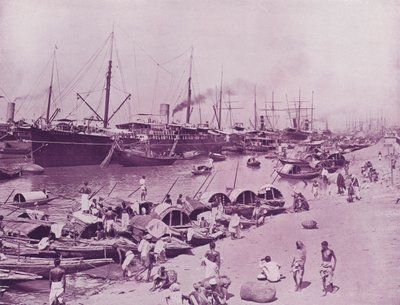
{"points": [[85, 201], [126, 265], [212, 261], [57, 284]]}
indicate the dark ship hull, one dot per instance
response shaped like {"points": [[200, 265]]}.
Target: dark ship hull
{"points": [[291, 134], [52, 148]]}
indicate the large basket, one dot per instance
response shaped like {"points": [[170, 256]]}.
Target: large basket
{"points": [[309, 224]]}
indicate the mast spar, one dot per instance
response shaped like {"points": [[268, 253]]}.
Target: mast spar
{"points": [[108, 84], [50, 89], [188, 110]]}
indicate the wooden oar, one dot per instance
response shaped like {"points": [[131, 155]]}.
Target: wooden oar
{"points": [[9, 196], [134, 192], [170, 189], [234, 182], [211, 181], [95, 193], [205, 180], [112, 189]]}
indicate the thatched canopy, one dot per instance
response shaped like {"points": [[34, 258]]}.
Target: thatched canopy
{"points": [[242, 196]]}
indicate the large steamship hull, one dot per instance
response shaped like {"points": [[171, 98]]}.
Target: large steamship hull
{"points": [[209, 143], [52, 148]]}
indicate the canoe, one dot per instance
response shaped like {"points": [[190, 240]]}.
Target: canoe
{"points": [[6, 174], [201, 170], [42, 266], [10, 277], [217, 157]]}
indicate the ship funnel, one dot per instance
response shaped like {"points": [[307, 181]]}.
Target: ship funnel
{"points": [[262, 122], [10, 112], [164, 111]]}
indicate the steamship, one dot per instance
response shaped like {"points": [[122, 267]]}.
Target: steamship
{"points": [[66, 144]]}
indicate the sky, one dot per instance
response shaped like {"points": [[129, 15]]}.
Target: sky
{"points": [[344, 51]]}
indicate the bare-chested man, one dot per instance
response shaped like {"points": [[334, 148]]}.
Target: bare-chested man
{"points": [[212, 261], [57, 284], [327, 268]]}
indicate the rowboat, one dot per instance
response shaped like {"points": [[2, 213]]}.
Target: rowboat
{"points": [[292, 161], [217, 157], [201, 170], [9, 277], [42, 266], [6, 174], [253, 162], [136, 157], [292, 171], [29, 199]]}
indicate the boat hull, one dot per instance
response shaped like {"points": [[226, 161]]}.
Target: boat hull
{"points": [[131, 158], [42, 267], [52, 148], [303, 176]]}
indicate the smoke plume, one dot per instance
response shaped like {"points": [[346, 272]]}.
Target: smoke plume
{"points": [[198, 99]]}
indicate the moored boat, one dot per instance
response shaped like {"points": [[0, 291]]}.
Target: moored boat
{"points": [[6, 174], [217, 157], [294, 171], [201, 170], [253, 162], [9, 277], [29, 199], [136, 157], [42, 266]]}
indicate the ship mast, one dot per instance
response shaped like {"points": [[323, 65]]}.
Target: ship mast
{"points": [[108, 84], [50, 89], [220, 101], [188, 110], [255, 108]]}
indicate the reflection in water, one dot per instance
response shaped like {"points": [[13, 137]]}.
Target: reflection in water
{"points": [[67, 181]]}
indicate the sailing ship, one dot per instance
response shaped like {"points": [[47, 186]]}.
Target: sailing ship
{"points": [[66, 144]]}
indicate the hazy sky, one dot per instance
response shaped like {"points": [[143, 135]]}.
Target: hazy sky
{"points": [[344, 51]]}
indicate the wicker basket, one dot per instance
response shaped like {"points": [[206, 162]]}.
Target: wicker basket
{"points": [[309, 224]]}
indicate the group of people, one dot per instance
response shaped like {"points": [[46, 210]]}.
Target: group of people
{"points": [[270, 270]]}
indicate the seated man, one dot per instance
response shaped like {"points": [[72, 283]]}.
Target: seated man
{"points": [[270, 270], [161, 281]]}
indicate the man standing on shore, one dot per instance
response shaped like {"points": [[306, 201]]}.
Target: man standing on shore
{"points": [[57, 283], [327, 268], [212, 261]]}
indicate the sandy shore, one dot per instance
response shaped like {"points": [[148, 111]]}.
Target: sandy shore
{"points": [[364, 235]]}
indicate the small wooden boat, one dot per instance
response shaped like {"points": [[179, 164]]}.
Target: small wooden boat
{"points": [[190, 155], [292, 161], [28, 199], [201, 170], [6, 174], [217, 157], [293, 171], [42, 266], [253, 162], [9, 277], [136, 157], [270, 155]]}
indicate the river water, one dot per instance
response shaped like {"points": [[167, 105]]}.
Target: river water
{"points": [[67, 181]]}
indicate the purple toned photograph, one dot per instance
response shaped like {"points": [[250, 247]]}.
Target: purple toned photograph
{"points": [[182, 152]]}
